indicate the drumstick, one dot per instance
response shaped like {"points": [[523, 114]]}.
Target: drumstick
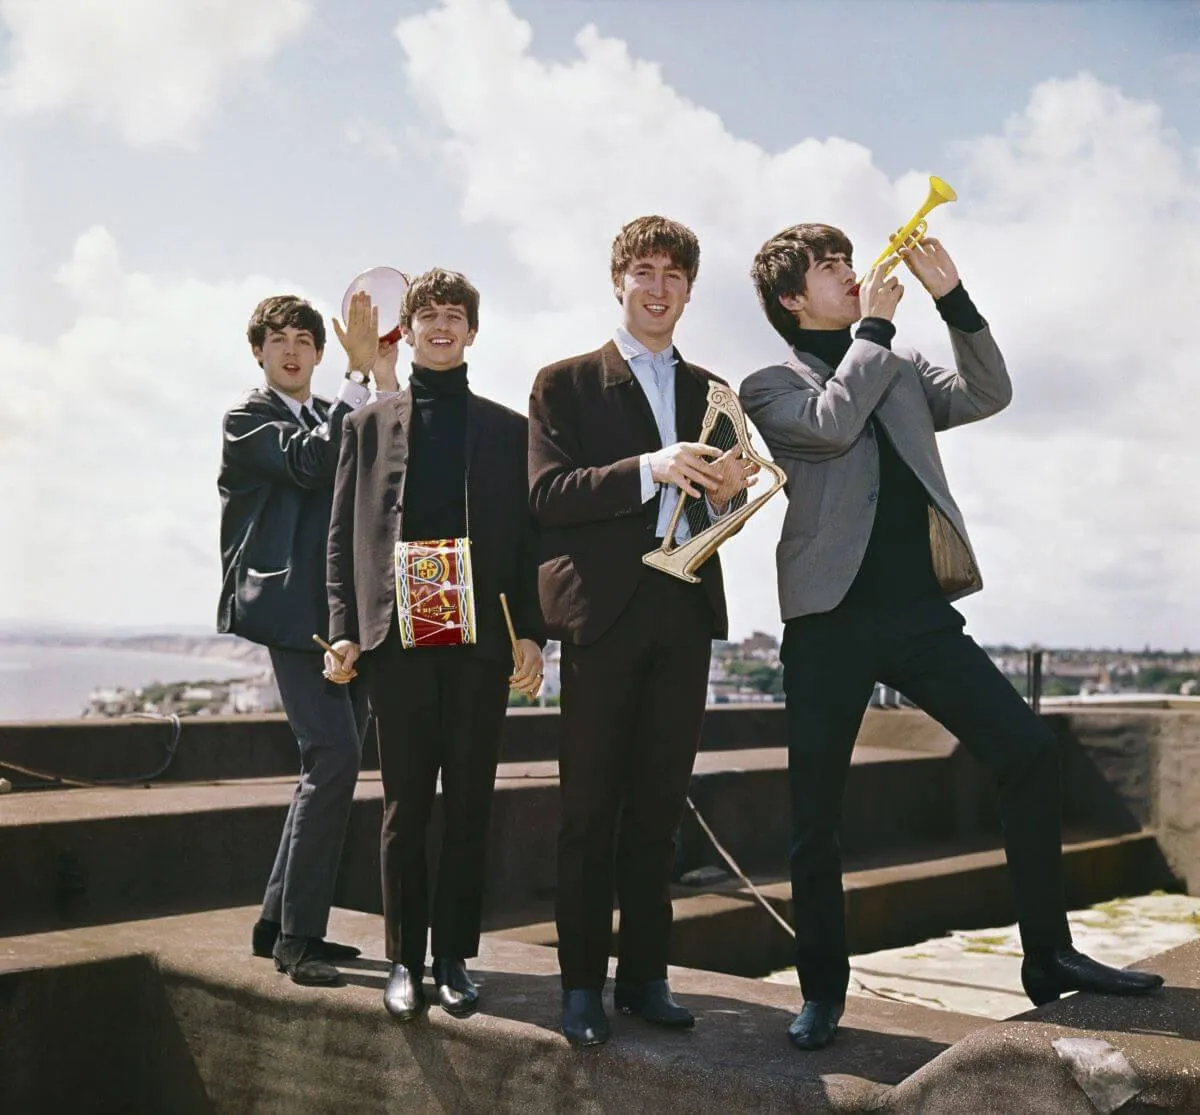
{"points": [[325, 646], [512, 635]]}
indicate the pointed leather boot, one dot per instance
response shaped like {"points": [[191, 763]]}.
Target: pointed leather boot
{"points": [[404, 996], [1047, 975], [456, 990], [652, 1001]]}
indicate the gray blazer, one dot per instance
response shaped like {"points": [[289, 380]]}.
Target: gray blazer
{"points": [[815, 422]]}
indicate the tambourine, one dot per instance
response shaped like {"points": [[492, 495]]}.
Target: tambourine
{"points": [[386, 287]]}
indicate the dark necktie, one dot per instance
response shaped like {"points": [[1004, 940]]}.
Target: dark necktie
{"points": [[310, 420]]}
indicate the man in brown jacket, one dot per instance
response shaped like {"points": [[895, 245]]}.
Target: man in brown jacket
{"points": [[612, 443]]}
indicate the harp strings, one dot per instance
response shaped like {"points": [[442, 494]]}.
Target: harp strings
{"points": [[723, 437]]}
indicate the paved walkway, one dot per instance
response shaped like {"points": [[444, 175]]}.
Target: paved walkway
{"points": [[979, 971]]}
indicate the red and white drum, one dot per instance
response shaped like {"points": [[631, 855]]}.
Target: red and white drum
{"points": [[435, 596]]}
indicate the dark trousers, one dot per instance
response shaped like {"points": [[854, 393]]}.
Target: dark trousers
{"points": [[329, 722], [440, 710], [632, 708], [831, 662]]}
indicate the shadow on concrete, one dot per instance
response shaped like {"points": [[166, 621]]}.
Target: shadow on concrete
{"points": [[97, 1037], [1173, 1012]]}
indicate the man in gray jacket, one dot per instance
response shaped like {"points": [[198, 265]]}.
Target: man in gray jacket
{"points": [[873, 550]]}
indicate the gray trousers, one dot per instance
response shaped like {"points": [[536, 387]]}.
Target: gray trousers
{"points": [[330, 722]]}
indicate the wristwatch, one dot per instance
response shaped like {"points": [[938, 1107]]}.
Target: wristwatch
{"points": [[355, 376]]}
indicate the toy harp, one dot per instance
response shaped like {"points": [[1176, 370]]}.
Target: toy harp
{"points": [[724, 427]]}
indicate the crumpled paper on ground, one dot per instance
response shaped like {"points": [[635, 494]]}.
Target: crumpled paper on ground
{"points": [[1103, 1072]]}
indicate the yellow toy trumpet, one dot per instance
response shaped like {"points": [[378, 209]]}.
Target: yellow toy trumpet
{"points": [[939, 193]]}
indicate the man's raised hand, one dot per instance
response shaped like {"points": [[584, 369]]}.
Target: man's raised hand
{"points": [[932, 265], [360, 336]]}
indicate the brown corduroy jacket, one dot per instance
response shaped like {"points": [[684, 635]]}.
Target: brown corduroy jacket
{"points": [[589, 424]]}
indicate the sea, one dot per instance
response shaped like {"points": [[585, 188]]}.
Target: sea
{"points": [[53, 683]]}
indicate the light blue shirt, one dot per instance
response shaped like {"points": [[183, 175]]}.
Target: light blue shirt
{"points": [[655, 373]]}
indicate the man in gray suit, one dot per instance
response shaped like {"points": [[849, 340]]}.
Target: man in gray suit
{"points": [[873, 550]]}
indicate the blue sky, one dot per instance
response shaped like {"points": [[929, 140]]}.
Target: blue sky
{"points": [[168, 174]]}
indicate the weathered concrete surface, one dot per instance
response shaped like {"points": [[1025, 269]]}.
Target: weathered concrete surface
{"points": [[256, 1042], [88, 856], [978, 971], [1014, 1067], [1136, 768], [893, 905], [212, 748], [229, 1035]]}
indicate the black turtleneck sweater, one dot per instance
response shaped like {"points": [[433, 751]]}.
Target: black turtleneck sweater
{"points": [[435, 490], [897, 566]]}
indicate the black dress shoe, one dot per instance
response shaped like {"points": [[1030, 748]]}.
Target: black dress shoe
{"points": [[302, 960], [456, 990], [653, 1001], [266, 933], [583, 1019], [816, 1024], [1047, 974], [404, 995]]}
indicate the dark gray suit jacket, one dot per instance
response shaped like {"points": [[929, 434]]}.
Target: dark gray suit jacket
{"points": [[815, 421], [276, 482]]}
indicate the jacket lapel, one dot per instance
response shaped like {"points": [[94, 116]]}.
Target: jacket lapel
{"points": [[691, 400], [619, 378], [475, 446], [277, 405], [812, 369]]}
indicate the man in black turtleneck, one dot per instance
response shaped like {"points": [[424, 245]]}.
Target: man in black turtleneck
{"points": [[434, 462], [873, 549]]}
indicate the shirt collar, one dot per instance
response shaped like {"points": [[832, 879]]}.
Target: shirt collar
{"points": [[294, 406], [630, 348]]}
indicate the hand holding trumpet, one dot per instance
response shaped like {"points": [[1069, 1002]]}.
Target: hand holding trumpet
{"points": [[879, 294], [932, 265]]}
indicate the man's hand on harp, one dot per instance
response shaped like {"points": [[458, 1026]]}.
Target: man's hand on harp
{"points": [[688, 465], [737, 474]]}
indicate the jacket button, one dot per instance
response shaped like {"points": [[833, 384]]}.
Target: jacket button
{"points": [[872, 497]]}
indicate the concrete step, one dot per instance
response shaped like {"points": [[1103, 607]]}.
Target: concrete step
{"points": [[174, 1015], [724, 929], [213, 748], [94, 855]]}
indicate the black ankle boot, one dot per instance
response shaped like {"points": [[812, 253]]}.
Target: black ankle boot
{"points": [[1048, 973], [653, 1001], [816, 1024], [456, 990], [583, 1019]]}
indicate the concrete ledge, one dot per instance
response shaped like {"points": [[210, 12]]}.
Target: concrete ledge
{"points": [[256, 1042], [212, 748], [886, 907], [174, 1015], [88, 856]]}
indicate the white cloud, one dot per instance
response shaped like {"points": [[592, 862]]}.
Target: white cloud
{"points": [[117, 443], [152, 70], [1078, 232]]}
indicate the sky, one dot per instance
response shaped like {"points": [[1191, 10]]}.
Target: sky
{"points": [[164, 164]]}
